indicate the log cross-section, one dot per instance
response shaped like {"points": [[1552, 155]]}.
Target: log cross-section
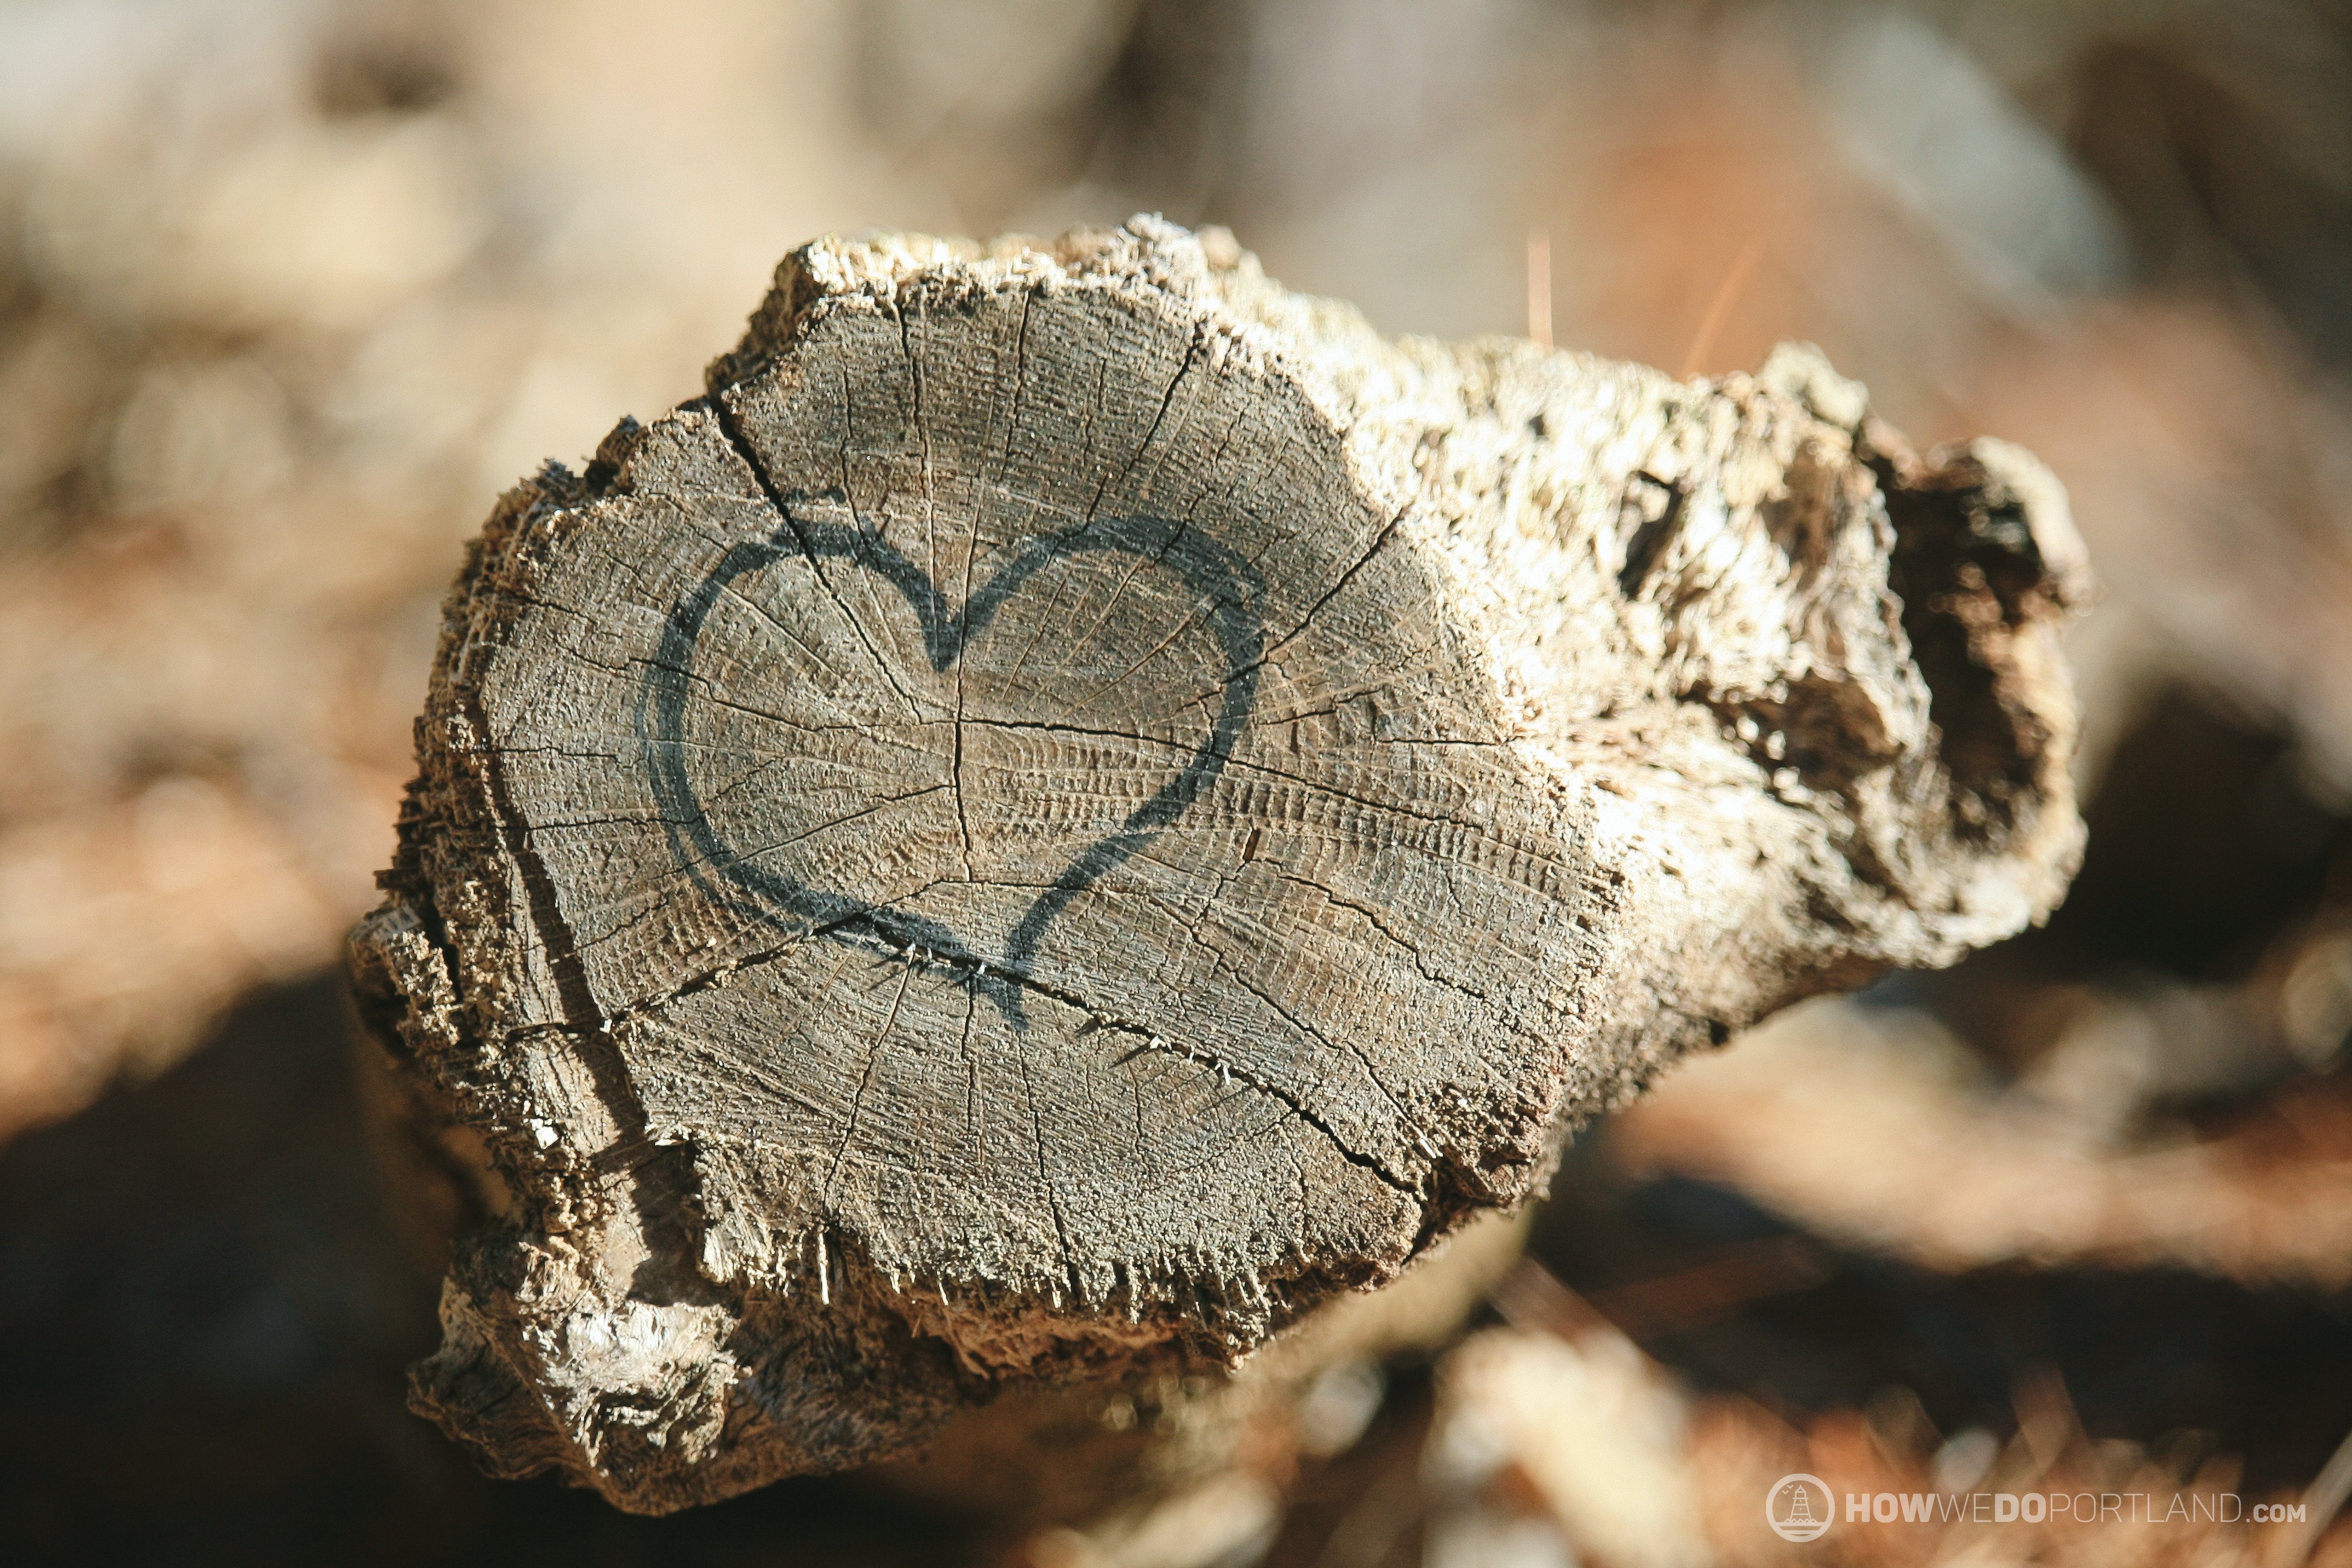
{"points": [[1077, 806]]}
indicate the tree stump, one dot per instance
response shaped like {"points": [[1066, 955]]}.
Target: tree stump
{"points": [[1077, 806]]}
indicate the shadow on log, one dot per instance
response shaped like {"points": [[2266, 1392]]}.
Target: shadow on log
{"points": [[205, 1318]]}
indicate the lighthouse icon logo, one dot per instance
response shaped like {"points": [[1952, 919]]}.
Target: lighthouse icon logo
{"points": [[1799, 1508]]}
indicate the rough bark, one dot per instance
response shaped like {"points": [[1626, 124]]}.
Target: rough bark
{"points": [[1078, 805]]}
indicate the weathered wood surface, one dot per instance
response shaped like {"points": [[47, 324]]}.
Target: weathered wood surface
{"points": [[1078, 805]]}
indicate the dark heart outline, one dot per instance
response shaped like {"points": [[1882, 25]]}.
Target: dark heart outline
{"points": [[1230, 582]]}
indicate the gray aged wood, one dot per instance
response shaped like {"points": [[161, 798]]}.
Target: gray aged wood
{"points": [[1078, 805]]}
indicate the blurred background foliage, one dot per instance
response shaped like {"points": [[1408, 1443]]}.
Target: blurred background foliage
{"points": [[289, 290]]}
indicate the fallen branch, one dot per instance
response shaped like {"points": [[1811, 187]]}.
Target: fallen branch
{"points": [[1079, 805]]}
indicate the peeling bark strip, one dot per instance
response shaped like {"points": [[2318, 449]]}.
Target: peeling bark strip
{"points": [[1079, 804]]}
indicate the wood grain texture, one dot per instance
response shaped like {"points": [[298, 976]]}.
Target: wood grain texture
{"points": [[1078, 805]]}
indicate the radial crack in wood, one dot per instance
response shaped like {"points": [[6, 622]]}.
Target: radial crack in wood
{"points": [[1077, 806]]}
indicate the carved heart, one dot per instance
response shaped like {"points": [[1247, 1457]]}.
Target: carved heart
{"points": [[1223, 591]]}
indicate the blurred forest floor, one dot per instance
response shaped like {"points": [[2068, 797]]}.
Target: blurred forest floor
{"points": [[289, 290]]}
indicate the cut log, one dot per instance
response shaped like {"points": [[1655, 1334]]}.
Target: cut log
{"points": [[1078, 805]]}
